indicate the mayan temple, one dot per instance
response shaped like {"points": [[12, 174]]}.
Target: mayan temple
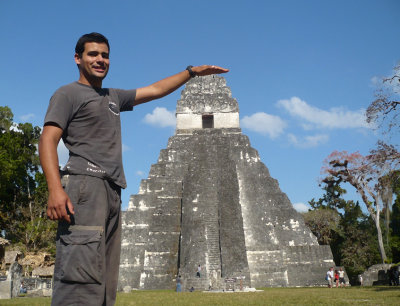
{"points": [[210, 201]]}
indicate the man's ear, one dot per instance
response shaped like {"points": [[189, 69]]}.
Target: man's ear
{"points": [[77, 59]]}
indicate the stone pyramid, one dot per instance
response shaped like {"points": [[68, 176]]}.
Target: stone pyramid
{"points": [[210, 201]]}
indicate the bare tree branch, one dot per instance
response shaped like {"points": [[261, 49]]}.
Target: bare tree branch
{"points": [[383, 111]]}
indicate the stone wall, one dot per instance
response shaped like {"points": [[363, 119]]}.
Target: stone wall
{"points": [[376, 275]]}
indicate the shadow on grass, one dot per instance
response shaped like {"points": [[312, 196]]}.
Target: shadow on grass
{"points": [[386, 288]]}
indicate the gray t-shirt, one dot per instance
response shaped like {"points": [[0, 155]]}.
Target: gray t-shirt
{"points": [[90, 119]]}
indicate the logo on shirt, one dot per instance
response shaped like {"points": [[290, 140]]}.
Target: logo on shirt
{"points": [[112, 106], [94, 169]]}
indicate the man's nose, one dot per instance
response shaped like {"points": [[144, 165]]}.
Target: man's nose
{"points": [[100, 58]]}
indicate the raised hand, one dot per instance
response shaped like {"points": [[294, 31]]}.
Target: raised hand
{"points": [[208, 69]]}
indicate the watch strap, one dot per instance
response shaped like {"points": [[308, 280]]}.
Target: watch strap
{"points": [[191, 72]]}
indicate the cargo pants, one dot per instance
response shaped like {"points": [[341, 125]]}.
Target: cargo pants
{"points": [[88, 249]]}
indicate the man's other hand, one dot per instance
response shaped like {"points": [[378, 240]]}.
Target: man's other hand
{"points": [[59, 206]]}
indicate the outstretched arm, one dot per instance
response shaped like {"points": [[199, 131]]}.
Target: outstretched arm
{"points": [[172, 83], [58, 200]]}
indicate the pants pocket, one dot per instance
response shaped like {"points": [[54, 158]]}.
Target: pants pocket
{"points": [[81, 260]]}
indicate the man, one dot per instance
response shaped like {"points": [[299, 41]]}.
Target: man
{"points": [[342, 281], [360, 280], [178, 284], [329, 277], [86, 201], [198, 271]]}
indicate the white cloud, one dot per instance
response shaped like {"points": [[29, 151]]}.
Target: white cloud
{"points": [[307, 126], [265, 124], [140, 173], [63, 153], [334, 118], [389, 82], [125, 148], [376, 81], [27, 117], [161, 117], [301, 207], [308, 141]]}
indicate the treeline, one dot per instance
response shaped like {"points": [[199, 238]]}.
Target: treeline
{"points": [[351, 233], [359, 237], [23, 188]]}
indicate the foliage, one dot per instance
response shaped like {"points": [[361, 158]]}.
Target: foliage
{"points": [[332, 198], [6, 117], [23, 189], [383, 111], [324, 223], [371, 175], [395, 222], [351, 237], [359, 248]]}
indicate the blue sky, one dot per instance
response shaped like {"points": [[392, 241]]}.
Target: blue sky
{"points": [[302, 72]]}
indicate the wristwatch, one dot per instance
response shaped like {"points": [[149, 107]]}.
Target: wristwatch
{"points": [[191, 72]]}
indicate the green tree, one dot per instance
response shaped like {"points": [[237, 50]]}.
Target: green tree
{"points": [[6, 117], [370, 176], [395, 220], [358, 249], [349, 232], [23, 190], [324, 223]]}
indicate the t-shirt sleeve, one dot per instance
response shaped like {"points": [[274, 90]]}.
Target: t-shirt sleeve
{"points": [[59, 111], [126, 99]]}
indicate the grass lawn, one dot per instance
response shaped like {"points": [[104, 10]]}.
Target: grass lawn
{"points": [[269, 296]]}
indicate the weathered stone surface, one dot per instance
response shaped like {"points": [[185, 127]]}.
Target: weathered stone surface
{"points": [[14, 277], [45, 271], [207, 95], [376, 275], [11, 257], [5, 289], [210, 200]]}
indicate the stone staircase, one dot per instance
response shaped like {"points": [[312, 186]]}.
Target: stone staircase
{"points": [[198, 284]]}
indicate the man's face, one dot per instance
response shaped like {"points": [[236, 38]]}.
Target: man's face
{"points": [[94, 62]]}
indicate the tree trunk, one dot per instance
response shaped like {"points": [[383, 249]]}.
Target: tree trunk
{"points": [[375, 217], [387, 221], [30, 202], [380, 239], [386, 195]]}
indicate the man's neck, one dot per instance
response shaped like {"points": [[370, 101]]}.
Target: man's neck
{"points": [[96, 83]]}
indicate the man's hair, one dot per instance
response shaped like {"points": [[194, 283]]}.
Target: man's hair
{"points": [[91, 37]]}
